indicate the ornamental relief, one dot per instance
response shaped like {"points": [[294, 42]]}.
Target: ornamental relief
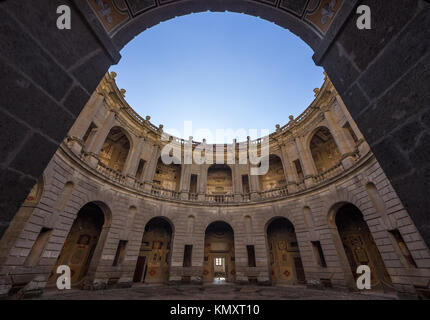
{"points": [[115, 14]]}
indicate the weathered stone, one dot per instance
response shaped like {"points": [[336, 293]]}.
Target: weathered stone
{"points": [[19, 49], [12, 134], [363, 46], [399, 56]]}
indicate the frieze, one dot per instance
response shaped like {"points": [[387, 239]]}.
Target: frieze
{"points": [[317, 14]]}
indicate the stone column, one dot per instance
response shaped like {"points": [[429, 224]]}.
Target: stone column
{"points": [[84, 120], [254, 185], [133, 157], [100, 137], [237, 182], [339, 137], [150, 168], [306, 160], [363, 146], [184, 185], [203, 178], [290, 173]]}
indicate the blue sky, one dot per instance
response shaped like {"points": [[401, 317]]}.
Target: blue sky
{"points": [[220, 71]]}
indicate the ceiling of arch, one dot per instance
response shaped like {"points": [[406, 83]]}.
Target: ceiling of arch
{"points": [[115, 14]]}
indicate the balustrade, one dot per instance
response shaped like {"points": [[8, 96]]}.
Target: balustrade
{"points": [[160, 192]]}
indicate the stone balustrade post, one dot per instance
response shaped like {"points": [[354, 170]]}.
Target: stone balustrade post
{"points": [[306, 160]]}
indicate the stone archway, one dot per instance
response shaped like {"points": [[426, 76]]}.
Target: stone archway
{"points": [[115, 149], [167, 176], [153, 262], [378, 73], [80, 245], [219, 180], [359, 246], [324, 150], [219, 253], [285, 264], [275, 176]]}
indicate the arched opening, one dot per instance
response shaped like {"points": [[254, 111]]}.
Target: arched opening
{"points": [[115, 149], [285, 262], [219, 256], [219, 180], [275, 176], [324, 150], [360, 247], [80, 245], [153, 262], [167, 176]]}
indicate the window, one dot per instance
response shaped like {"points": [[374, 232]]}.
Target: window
{"points": [[140, 169], [92, 129], [218, 261], [319, 254], [120, 253], [187, 255], [245, 183], [299, 170], [193, 183], [348, 129], [251, 256], [403, 248]]}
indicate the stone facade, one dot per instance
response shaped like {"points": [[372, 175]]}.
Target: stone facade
{"points": [[325, 165]]}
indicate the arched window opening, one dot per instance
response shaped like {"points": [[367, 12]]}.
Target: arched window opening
{"points": [[219, 180], [167, 176], [284, 256], [324, 150], [153, 261], [80, 244], [115, 149], [275, 176], [360, 247], [219, 255]]}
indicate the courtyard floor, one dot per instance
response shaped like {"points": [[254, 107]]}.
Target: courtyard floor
{"points": [[211, 292]]}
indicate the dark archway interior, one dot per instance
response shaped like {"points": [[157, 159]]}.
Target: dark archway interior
{"points": [[284, 256], [382, 75], [219, 254], [81, 243], [115, 149], [153, 262], [360, 247]]}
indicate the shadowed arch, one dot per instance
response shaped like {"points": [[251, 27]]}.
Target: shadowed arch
{"points": [[153, 262], [219, 253], [359, 247], [84, 244], [116, 148], [299, 18], [284, 260]]}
